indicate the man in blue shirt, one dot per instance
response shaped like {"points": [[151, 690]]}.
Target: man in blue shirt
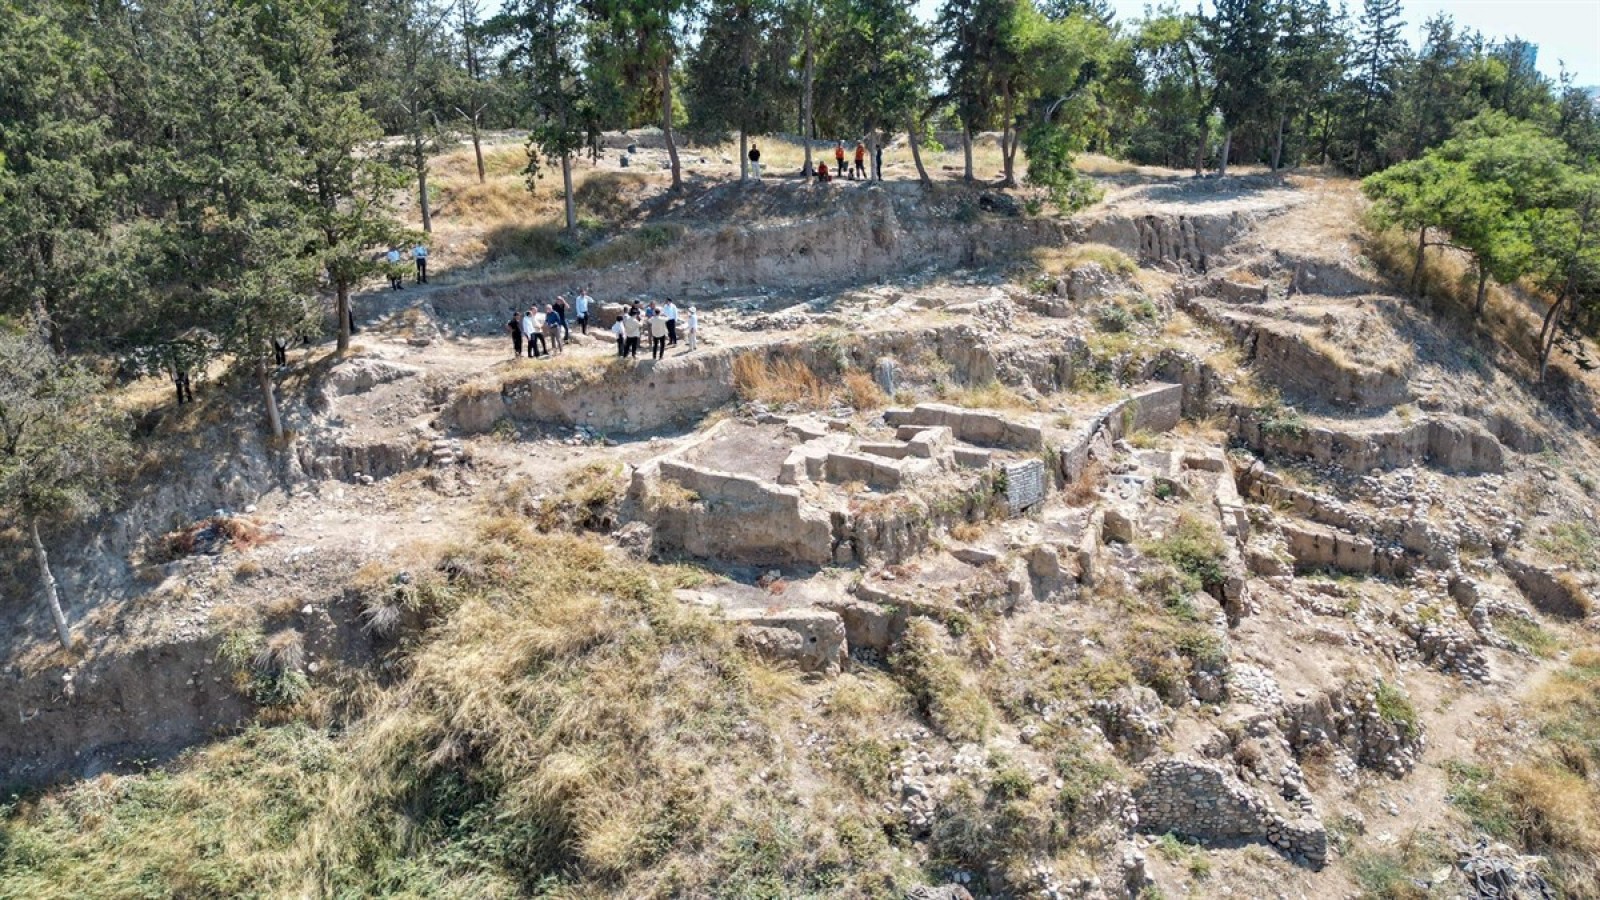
{"points": [[420, 254]]}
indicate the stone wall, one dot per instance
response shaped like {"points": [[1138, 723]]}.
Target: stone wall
{"points": [[1199, 799], [739, 518], [1450, 443]]}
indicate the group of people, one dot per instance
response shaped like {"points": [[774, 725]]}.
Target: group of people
{"points": [[660, 323], [840, 169], [545, 332], [397, 269]]}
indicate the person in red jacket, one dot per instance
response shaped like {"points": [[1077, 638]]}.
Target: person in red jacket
{"points": [[861, 160]]}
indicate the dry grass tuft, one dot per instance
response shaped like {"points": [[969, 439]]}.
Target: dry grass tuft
{"points": [[784, 381], [1057, 261], [862, 392], [989, 395]]}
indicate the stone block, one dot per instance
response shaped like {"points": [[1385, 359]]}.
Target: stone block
{"points": [[1157, 408], [970, 458], [812, 639], [867, 624], [930, 443], [843, 468], [892, 451], [1319, 547]]}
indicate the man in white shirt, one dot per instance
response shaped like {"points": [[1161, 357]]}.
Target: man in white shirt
{"points": [[631, 327], [532, 334], [616, 329], [394, 269], [580, 308], [693, 324], [670, 313], [658, 336], [420, 254]]}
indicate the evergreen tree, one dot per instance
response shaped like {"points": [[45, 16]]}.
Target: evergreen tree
{"points": [[1170, 122], [240, 253], [59, 447], [877, 67], [972, 33], [545, 38], [1378, 55], [417, 85], [65, 264], [738, 75], [1238, 39], [348, 190], [637, 50]]}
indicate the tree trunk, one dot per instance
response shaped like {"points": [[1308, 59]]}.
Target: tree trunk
{"points": [[421, 162], [342, 310], [872, 155], [477, 150], [50, 595], [566, 193], [1547, 334], [264, 379], [806, 124], [744, 158], [1008, 138], [666, 122], [1416, 268], [1483, 289], [916, 152], [1277, 148], [966, 152], [1222, 157]]}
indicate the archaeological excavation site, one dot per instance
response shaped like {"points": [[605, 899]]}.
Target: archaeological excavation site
{"points": [[1168, 549]]}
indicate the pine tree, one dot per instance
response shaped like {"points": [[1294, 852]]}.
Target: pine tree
{"points": [[637, 49], [545, 37], [59, 447], [972, 32], [1238, 39], [347, 194], [1378, 55], [738, 75], [878, 68], [239, 251], [417, 85], [65, 263]]}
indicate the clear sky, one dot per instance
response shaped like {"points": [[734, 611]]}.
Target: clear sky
{"points": [[1564, 30]]}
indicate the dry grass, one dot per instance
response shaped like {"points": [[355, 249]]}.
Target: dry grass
{"points": [[1057, 261], [862, 392], [784, 381], [1549, 801], [989, 395]]}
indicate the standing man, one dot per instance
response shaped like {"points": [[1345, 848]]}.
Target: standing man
{"points": [[553, 326], [394, 270], [755, 161], [622, 338], [530, 334], [631, 327], [515, 327], [861, 160], [658, 337], [693, 328], [420, 254], [877, 163], [838, 159], [561, 310], [580, 307], [670, 313]]}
